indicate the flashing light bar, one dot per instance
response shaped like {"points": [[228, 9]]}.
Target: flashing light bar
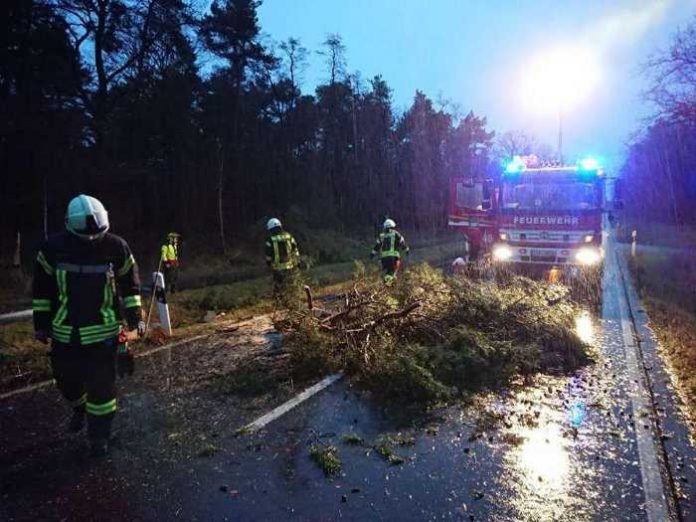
{"points": [[519, 164]]}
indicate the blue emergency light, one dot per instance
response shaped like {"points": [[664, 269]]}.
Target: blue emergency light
{"points": [[515, 166], [588, 164]]}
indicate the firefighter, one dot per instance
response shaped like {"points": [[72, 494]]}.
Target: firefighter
{"points": [[389, 246], [79, 277], [282, 256], [170, 261]]}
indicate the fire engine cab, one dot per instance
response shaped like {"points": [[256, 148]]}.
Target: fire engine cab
{"points": [[533, 213]]}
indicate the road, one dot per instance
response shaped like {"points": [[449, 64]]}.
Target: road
{"points": [[606, 443]]}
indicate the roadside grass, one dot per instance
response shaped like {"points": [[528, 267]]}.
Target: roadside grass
{"points": [[676, 330], [666, 282], [658, 234], [432, 338]]}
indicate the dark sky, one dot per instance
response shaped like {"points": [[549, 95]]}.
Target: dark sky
{"points": [[480, 53]]}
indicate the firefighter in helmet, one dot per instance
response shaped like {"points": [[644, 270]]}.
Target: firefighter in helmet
{"points": [[389, 246], [282, 256], [170, 261], [82, 279]]}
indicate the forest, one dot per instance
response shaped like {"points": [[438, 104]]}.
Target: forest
{"points": [[180, 117]]}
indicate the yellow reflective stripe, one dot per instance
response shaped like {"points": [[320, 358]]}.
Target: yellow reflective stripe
{"points": [[93, 336], [101, 409], [132, 301], [107, 308], [41, 258], [86, 330], [127, 266], [41, 305], [60, 336], [62, 298], [276, 253]]}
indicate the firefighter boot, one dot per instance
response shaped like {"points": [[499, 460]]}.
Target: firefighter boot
{"points": [[99, 432], [77, 421]]}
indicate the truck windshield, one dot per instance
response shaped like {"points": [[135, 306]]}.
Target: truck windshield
{"points": [[550, 196]]}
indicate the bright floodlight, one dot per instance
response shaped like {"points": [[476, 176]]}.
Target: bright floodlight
{"points": [[559, 79]]}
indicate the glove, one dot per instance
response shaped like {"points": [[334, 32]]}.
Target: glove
{"points": [[125, 363], [141, 328], [41, 336]]}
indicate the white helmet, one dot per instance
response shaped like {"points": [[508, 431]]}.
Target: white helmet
{"points": [[87, 218], [273, 223], [389, 223]]}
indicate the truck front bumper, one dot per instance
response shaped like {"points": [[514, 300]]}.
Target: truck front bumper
{"points": [[586, 255]]}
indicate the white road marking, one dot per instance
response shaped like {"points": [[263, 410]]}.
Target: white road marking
{"points": [[289, 405], [169, 346], [654, 489], [13, 317], [27, 389]]}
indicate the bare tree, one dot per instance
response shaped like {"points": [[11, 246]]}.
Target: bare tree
{"points": [[515, 143], [335, 54], [119, 33], [673, 75], [295, 60]]}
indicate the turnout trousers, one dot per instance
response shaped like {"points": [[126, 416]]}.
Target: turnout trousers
{"points": [[86, 376], [171, 276], [390, 267]]}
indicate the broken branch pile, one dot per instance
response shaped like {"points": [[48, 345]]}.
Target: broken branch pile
{"points": [[432, 337]]}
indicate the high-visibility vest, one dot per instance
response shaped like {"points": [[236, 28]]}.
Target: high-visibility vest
{"points": [[389, 244], [169, 253], [285, 254]]}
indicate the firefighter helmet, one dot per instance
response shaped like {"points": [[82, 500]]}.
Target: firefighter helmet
{"points": [[389, 223], [273, 223], [87, 218]]}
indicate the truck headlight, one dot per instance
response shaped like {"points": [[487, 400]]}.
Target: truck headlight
{"points": [[502, 253], [588, 256], [589, 238]]}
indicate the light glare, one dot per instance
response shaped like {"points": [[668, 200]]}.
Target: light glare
{"points": [[502, 253], [559, 79]]}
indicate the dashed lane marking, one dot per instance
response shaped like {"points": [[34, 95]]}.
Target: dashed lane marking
{"points": [[289, 405]]}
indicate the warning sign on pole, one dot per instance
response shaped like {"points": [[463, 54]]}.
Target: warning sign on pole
{"points": [[162, 306]]}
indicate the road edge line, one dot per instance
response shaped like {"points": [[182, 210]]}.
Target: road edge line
{"points": [[657, 506], [284, 408]]}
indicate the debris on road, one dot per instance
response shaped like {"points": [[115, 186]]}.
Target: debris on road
{"points": [[431, 338]]}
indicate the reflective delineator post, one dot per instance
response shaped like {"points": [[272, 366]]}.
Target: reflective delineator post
{"points": [[162, 306], [634, 236]]}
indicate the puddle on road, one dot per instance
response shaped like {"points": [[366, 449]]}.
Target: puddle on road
{"points": [[585, 327]]}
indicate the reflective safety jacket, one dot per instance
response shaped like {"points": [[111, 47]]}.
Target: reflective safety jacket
{"points": [[77, 286], [282, 252], [170, 253], [390, 244]]}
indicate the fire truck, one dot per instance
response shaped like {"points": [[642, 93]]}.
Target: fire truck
{"points": [[534, 214]]}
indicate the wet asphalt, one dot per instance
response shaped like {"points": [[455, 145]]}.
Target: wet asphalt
{"points": [[562, 448]]}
